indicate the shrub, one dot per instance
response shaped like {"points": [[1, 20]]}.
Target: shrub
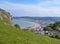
{"points": [[55, 36], [48, 28], [17, 26]]}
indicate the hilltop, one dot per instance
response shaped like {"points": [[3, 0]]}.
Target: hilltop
{"points": [[12, 35]]}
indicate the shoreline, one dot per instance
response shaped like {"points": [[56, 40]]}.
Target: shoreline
{"points": [[32, 26]]}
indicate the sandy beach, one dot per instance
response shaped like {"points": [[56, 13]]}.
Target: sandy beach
{"points": [[32, 26]]}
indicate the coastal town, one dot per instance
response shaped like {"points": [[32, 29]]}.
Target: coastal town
{"points": [[29, 21], [37, 27]]}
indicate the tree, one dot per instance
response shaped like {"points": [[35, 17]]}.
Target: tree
{"points": [[17, 26], [50, 25], [48, 28]]}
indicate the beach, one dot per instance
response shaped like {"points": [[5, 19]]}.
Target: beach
{"points": [[24, 24], [33, 25]]}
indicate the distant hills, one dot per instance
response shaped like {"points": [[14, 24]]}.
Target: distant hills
{"points": [[40, 18]]}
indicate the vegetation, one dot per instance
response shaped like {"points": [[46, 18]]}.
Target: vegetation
{"points": [[48, 28], [13, 35], [55, 26], [55, 36], [17, 26]]}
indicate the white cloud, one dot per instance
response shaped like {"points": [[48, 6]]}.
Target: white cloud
{"points": [[32, 10]]}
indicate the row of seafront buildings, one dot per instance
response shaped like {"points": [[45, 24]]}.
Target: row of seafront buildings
{"points": [[41, 31], [36, 28]]}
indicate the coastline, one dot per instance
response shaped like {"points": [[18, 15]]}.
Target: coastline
{"points": [[32, 26]]}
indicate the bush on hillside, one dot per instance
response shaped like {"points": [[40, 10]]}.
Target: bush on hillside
{"points": [[55, 36], [55, 26], [17, 26], [48, 29]]}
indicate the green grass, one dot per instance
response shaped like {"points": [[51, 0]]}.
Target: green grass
{"points": [[12, 35]]}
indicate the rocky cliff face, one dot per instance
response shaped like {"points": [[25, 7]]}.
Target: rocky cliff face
{"points": [[5, 17]]}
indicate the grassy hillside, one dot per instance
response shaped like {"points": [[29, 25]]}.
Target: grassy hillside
{"points": [[12, 35]]}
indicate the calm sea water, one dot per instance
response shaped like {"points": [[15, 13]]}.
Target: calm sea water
{"points": [[21, 23]]}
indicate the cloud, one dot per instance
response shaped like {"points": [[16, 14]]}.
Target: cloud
{"points": [[50, 3], [45, 8]]}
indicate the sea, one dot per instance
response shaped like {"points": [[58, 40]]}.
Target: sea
{"points": [[21, 23]]}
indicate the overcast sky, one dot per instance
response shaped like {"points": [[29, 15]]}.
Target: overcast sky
{"points": [[32, 7]]}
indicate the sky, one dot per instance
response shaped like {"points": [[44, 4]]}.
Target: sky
{"points": [[34, 8]]}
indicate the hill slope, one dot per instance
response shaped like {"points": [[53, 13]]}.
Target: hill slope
{"points": [[12, 35]]}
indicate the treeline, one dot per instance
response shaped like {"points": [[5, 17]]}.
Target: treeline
{"points": [[54, 27], [51, 27]]}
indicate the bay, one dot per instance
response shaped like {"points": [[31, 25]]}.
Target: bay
{"points": [[21, 23]]}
